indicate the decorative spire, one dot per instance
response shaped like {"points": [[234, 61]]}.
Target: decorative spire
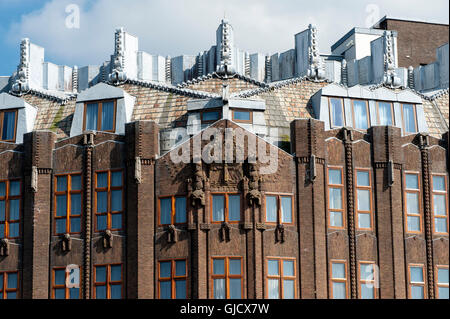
{"points": [[21, 82], [268, 65], [168, 69], [316, 69], [118, 74], [75, 79], [390, 75], [225, 64]]}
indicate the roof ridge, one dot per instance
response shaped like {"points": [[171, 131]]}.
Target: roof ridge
{"points": [[218, 76], [62, 98]]}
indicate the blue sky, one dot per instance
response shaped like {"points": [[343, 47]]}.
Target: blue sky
{"points": [[187, 27]]}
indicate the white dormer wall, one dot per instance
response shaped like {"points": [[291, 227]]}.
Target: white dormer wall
{"points": [[102, 91], [26, 114]]}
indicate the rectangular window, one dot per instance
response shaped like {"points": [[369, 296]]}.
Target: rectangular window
{"points": [[385, 113], [442, 282], [364, 199], [108, 281], [68, 204], [360, 114], [336, 218], [210, 116], [172, 278], [440, 203], [60, 289], [368, 276], [226, 208], [10, 208], [416, 281], [227, 277], [100, 116], [109, 206], [9, 285], [8, 125], [242, 116], [172, 210], [338, 285], [412, 203], [279, 209], [409, 118], [281, 278], [336, 108]]}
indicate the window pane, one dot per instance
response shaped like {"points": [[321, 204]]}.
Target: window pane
{"points": [[234, 207], [360, 112], [286, 209], [271, 209], [339, 290], [1, 281], [116, 273], [385, 112], [74, 293], [334, 177], [9, 124], [440, 225], [2, 189], [91, 116], [116, 201], [180, 209], [14, 230], [11, 295], [443, 292], [180, 268], [2, 211], [288, 289], [416, 274], [218, 208], [273, 267], [367, 272], [75, 204], [439, 183], [76, 182], [14, 188], [107, 116], [60, 293], [14, 209], [364, 199], [338, 271], [364, 221], [116, 179], [2, 230], [235, 267], [101, 222], [413, 223], [180, 287], [367, 291], [218, 266], [337, 118], [61, 205], [242, 115], [439, 205], [61, 183], [336, 219], [335, 198], [102, 202], [363, 178], [219, 288], [61, 226], [100, 274], [288, 268], [412, 203], [166, 211], [102, 180], [274, 290], [116, 291], [100, 292], [443, 276], [12, 281], [165, 269], [165, 290], [210, 116], [408, 117], [235, 288], [60, 277], [417, 292], [412, 181]]}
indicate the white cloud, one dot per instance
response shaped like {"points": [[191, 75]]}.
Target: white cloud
{"points": [[187, 27]]}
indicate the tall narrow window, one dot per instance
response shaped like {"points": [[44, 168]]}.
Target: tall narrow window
{"points": [[8, 125], [281, 278], [412, 205], [440, 204], [368, 277], [10, 204], [68, 204], [172, 279], [227, 277], [100, 116], [60, 290], [409, 118], [336, 217], [108, 281], [9, 285], [172, 210], [442, 282], [336, 112], [385, 113], [416, 281], [279, 209], [360, 114], [339, 279], [364, 199], [109, 200], [226, 208]]}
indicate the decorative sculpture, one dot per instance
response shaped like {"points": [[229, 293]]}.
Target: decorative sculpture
{"points": [[316, 69], [107, 239], [254, 193], [198, 194], [66, 243], [118, 74], [4, 247], [390, 75], [172, 234], [224, 232], [21, 82], [279, 233], [225, 65]]}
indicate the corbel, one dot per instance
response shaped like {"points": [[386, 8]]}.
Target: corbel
{"points": [[107, 240]]}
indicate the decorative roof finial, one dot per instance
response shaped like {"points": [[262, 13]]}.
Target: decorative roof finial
{"points": [[316, 69], [21, 82], [390, 75], [118, 75], [225, 61]]}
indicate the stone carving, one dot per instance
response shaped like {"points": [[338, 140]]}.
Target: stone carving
{"points": [[224, 232], [66, 243], [316, 69], [254, 193], [21, 82], [118, 74], [168, 69], [390, 76], [137, 170], [225, 65], [172, 234], [75, 79], [34, 179], [268, 65], [411, 77], [107, 240], [198, 194], [4, 247], [344, 74], [279, 233]]}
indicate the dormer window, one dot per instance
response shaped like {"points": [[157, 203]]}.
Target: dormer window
{"points": [[100, 116], [8, 125], [409, 118]]}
